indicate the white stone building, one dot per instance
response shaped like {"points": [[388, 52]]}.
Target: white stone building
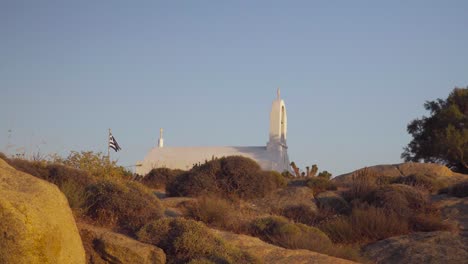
{"points": [[273, 156]]}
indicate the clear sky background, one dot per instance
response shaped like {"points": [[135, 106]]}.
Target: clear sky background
{"points": [[352, 74]]}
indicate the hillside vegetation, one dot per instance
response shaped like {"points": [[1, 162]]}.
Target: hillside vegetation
{"points": [[234, 194]]}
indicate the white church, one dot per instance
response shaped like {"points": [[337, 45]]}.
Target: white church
{"points": [[273, 156]]}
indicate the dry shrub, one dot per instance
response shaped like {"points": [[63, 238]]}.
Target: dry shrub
{"points": [[300, 213], [76, 195], [320, 184], [184, 240], [201, 261], [363, 182], [401, 199], [126, 206], [95, 163], [215, 212], [279, 231], [430, 183], [429, 223], [35, 168], [233, 177], [365, 224], [333, 201], [192, 184], [159, 177]]}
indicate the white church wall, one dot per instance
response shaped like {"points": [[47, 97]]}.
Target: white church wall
{"points": [[273, 156]]}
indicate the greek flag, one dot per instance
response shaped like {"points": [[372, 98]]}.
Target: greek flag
{"points": [[113, 143]]}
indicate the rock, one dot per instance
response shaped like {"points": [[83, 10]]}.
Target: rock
{"points": [[430, 247], [283, 198], [36, 222], [454, 209], [332, 200], [103, 246], [407, 169], [272, 254]]}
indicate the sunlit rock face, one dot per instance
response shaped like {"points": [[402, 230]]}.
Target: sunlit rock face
{"points": [[36, 222], [273, 156]]}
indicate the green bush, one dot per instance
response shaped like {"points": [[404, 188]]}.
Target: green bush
{"points": [[126, 206], [320, 184], [231, 177], [159, 177], [95, 163], [279, 231], [325, 175], [185, 240]]}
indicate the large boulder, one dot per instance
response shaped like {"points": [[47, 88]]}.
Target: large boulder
{"points": [[431, 247], [105, 247], [36, 222], [273, 254], [407, 169]]}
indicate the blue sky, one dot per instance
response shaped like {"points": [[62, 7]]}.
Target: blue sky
{"points": [[352, 74]]}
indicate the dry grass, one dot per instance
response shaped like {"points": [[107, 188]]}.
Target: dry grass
{"points": [[363, 182], [279, 231], [185, 240], [401, 199], [365, 224], [217, 212], [430, 183], [300, 214], [429, 223]]}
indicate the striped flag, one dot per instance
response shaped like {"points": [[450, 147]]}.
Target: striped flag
{"points": [[113, 143]]}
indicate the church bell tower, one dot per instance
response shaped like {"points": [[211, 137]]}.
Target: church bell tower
{"points": [[277, 146]]}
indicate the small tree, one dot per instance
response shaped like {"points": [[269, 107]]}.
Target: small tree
{"points": [[443, 136], [325, 175], [314, 170], [296, 169]]}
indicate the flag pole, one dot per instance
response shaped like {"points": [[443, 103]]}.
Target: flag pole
{"points": [[108, 145]]}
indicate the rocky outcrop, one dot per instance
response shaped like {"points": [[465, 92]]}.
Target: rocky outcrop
{"points": [[431, 247], [407, 169], [106, 247], [36, 222], [455, 210], [272, 254]]}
